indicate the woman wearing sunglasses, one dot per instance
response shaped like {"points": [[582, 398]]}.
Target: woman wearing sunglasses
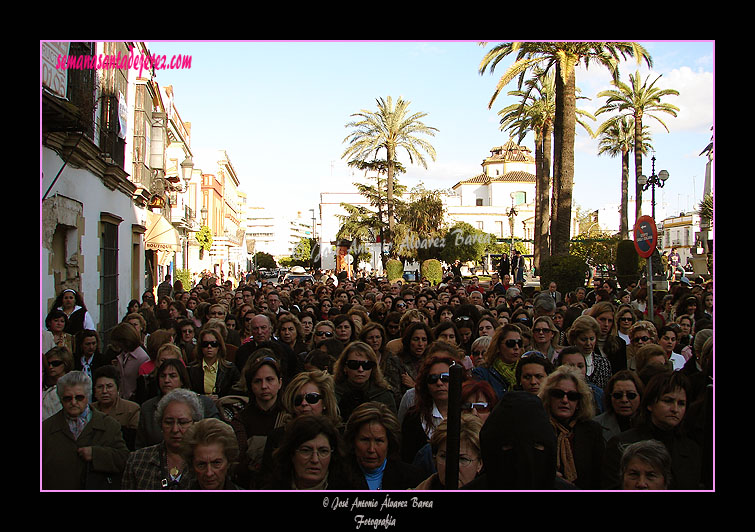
{"points": [[622, 399], [568, 401], [501, 360], [309, 392], [359, 380], [212, 374], [430, 398]]}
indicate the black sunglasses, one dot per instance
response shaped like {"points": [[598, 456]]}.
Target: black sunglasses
{"points": [[213, 343], [433, 378], [55, 363], [312, 398], [327, 334], [356, 364], [559, 394], [619, 395], [510, 343]]}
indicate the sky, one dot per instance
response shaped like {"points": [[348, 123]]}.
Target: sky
{"points": [[279, 109]]}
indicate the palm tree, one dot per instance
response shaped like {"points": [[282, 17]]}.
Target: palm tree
{"points": [[390, 128], [638, 100], [617, 138], [535, 112], [563, 57]]}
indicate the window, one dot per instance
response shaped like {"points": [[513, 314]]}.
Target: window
{"points": [[478, 202], [479, 225], [108, 273]]}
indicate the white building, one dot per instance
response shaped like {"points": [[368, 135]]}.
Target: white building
{"points": [[276, 233]]}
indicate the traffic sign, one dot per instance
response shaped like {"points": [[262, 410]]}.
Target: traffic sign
{"points": [[645, 236]]}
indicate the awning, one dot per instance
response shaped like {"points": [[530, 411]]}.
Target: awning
{"points": [[161, 235]]}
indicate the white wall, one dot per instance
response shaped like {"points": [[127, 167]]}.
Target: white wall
{"points": [[86, 188]]}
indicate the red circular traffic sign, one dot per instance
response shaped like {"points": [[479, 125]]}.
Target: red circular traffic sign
{"points": [[645, 236]]}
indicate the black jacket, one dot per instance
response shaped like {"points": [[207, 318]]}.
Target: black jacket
{"points": [[227, 376], [397, 475]]}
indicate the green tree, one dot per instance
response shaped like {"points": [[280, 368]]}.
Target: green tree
{"points": [[638, 100], [464, 242], [617, 139], [421, 225], [264, 260], [562, 57], [393, 129]]}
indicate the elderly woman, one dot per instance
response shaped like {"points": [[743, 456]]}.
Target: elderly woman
{"points": [[311, 457], [309, 392], [661, 413], [161, 466], [478, 350], [584, 334], [646, 465], [324, 330], [171, 375], [470, 460], [261, 416], [373, 438], [209, 448], [430, 399], [568, 401], [501, 359], [107, 380], [81, 447], [212, 374], [359, 380], [126, 343], [573, 356], [55, 363], [609, 344], [621, 401], [545, 337]]}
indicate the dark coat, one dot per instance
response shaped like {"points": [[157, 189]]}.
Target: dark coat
{"points": [[350, 397], [63, 469], [686, 464], [397, 475], [615, 350], [227, 376], [588, 447]]}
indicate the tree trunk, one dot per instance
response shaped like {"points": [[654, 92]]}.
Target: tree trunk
{"points": [[624, 212], [637, 164], [546, 190], [566, 105], [390, 200], [539, 206]]}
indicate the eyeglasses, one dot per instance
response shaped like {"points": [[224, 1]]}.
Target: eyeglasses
{"points": [[54, 363], [400, 305], [555, 393], [71, 398], [626, 319], [480, 407], [308, 452], [619, 395], [541, 330], [462, 318], [182, 423], [477, 353], [510, 343], [639, 339], [213, 343], [434, 377], [464, 461], [364, 364], [312, 398], [327, 334]]}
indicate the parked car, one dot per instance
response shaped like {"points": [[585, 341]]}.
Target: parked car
{"points": [[298, 273]]}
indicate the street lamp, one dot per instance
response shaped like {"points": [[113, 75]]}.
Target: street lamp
{"points": [[653, 181]]}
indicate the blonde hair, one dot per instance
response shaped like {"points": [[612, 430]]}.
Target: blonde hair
{"points": [[585, 406]]}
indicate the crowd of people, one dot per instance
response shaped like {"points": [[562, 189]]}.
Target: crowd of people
{"points": [[343, 384]]}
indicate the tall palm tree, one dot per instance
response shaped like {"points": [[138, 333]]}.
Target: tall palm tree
{"points": [[638, 100], [562, 57], [617, 139], [535, 112], [391, 128]]}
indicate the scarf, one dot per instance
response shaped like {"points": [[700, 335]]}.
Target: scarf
{"points": [[76, 424], [507, 371], [565, 455]]}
